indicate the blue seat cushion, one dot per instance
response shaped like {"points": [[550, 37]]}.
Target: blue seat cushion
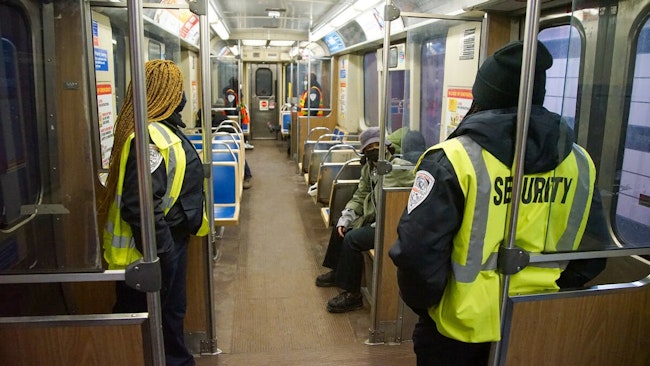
{"points": [[224, 212]]}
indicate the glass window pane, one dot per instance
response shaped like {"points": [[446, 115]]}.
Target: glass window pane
{"points": [[633, 200], [47, 176], [20, 179], [371, 89], [432, 76], [224, 72], [397, 99], [565, 46], [263, 82]]}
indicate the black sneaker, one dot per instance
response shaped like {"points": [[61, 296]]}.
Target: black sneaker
{"points": [[345, 302], [326, 280]]}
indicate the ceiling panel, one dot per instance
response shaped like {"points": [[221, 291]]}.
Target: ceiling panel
{"points": [[249, 18]]}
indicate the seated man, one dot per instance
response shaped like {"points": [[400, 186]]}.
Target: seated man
{"points": [[355, 231]]}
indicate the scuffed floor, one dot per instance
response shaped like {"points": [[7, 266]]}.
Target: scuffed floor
{"points": [[269, 312]]}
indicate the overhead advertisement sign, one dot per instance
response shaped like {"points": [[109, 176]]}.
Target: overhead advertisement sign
{"points": [[334, 42], [181, 22]]}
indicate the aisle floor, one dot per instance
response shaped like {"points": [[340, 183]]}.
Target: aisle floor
{"points": [[268, 309]]}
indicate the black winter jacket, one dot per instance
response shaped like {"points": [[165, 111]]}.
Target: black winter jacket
{"points": [[185, 216], [422, 252]]}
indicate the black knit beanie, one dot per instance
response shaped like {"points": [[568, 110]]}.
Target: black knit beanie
{"points": [[497, 80]]}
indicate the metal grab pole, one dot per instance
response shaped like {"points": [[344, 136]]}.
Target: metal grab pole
{"points": [[209, 345], [383, 121], [144, 182], [531, 27]]}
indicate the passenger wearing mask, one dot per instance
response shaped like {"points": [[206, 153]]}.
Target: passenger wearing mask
{"points": [[312, 98], [178, 202], [355, 231], [231, 96], [450, 233]]}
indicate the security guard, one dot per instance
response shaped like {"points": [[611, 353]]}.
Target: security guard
{"points": [[315, 96], [177, 187], [449, 236]]}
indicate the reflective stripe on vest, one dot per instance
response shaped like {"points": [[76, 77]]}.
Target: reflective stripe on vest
{"points": [[303, 102], [552, 217], [119, 245]]}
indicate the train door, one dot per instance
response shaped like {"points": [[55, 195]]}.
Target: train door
{"points": [[263, 108]]}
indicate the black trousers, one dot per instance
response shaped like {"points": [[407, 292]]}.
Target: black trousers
{"points": [[344, 256], [173, 265], [434, 349]]}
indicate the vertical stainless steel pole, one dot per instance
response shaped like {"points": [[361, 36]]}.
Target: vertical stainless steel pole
{"points": [[144, 182], [210, 345], [531, 27], [384, 114]]}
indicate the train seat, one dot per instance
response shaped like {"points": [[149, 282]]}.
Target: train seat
{"points": [[342, 191], [230, 123], [226, 188], [308, 146], [285, 122], [234, 141], [323, 144], [332, 171], [338, 153]]}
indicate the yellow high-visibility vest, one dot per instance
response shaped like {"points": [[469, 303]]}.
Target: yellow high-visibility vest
{"points": [[119, 245], [303, 102], [552, 217]]}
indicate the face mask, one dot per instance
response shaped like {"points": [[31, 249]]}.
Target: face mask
{"points": [[182, 104], [372, 155]]}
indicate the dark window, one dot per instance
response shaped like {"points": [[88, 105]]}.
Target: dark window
{"points": [[431, 82], [632, 207], [263, 82], [371, 89], [564, 43], [19, 164]]}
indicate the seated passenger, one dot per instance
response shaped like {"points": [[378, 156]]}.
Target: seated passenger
{"points": [[409, 144], [355, 231], [231, 96], [413, 145]]}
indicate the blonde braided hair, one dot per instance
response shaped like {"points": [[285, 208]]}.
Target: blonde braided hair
{"points": [[164, 90]]}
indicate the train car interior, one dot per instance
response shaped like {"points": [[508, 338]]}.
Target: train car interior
{"points": [[278, 95]]}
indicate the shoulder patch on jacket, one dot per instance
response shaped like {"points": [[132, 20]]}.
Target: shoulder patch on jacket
{"points": [[155, 157], [422, 186]]}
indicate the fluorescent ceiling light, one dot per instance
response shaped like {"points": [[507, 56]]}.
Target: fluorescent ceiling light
{"points": [[234, 50], [254, 42], [220, 29], [359, 7], [364, 5], [281, 43], [212, 14], [322, 32]]}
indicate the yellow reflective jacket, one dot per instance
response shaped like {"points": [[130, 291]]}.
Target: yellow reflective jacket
{"points": [[303, 102], [119, 245], [552, 217]]}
